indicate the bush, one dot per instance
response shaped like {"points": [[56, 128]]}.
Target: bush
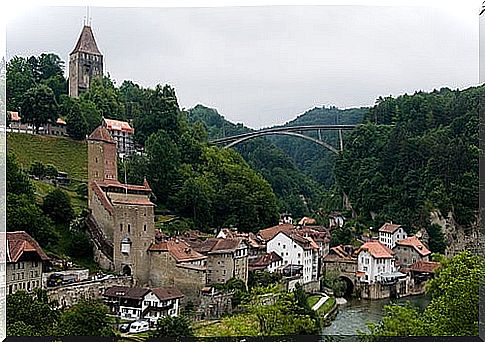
{"points": [[37, 169], [57, 205]]}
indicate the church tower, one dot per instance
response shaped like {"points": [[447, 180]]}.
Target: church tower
{"points": [[85, 62]]}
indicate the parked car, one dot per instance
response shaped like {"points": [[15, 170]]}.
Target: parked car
{"points": [[125, 327], [138, 327], [55, 280]]}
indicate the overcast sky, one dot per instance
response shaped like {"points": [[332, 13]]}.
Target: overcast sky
{"points": [[266, 65]]}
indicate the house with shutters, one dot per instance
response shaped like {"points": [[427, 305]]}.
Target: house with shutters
{"points": [[298, 251], [389, 233], [375, 263], [150, 304], [25, 262]]}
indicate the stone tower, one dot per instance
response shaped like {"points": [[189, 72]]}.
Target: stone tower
{"points": [[102, 163], [123, 212], [85, 62]]}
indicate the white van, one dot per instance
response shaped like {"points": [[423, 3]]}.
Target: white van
{"points": [[139, 326]]}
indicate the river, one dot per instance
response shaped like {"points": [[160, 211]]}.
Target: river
{"points": [[353, 316]]}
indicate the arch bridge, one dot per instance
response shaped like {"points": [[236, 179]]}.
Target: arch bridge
{"points": [[294, 131]]}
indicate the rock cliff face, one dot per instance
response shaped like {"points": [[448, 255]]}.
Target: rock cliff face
{"points": [[459, 238]]}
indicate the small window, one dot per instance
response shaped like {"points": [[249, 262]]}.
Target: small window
{"points": [[145, 227], [121, 227], [129, 227]]}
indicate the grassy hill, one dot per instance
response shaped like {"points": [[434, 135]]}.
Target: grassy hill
{"points": [[65, 154]]}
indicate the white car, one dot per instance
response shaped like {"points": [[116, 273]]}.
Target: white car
{"points": [[139, 326]]}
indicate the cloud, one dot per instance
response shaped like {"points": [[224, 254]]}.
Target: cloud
{"points": [[264, 65]]}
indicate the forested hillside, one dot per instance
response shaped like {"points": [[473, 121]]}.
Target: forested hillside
{"points": [[297, 193], [316, 161], [415, 154]]}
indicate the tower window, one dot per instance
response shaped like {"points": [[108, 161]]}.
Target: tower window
{"points": [[121, 227], [129, 227], [145, 227]]}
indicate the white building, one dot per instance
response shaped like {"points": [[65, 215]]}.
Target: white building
{"points": [[390, 233], [122, 133], [375, 263], [137, 303], [296, 250]]}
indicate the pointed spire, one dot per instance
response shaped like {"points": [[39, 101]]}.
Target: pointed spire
{"points": [[86, 42]]}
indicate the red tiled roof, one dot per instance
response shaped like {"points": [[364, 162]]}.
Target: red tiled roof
{"points": [[117, 184], [166, 293], [269, 233], [86, 42], [424, 266], [19, 243], [133, 201], [359, 274], [102, 197], [117, 125], [101, 134], [178, 249], [376, 249], [389, 228], [414, 242]]}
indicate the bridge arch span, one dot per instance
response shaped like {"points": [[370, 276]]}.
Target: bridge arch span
{"points": [[293, 134]]}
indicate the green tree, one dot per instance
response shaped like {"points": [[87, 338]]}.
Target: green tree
{"points": [[57, 204], [453, 309], [77, 127], [107, 98], [160, 111], [23, 213], [38, 106], [19, 80], [30, 314], [86, 318], [37, 169], [173, 327], [163, 161], [437, 242], [18, 182]]}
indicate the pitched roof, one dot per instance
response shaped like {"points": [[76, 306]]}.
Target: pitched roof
{"points": [[414, 242], [130, 199], [101, 134], [14, 116], [86, 42], [117, 125], [126, 292], [377, 250], [214, 245], [19, 243], [269, 233], [264, 261], [166, 293], [178, 249], [108, 183], [424, 266], [307, 220], [389, 228], [60, 121]]}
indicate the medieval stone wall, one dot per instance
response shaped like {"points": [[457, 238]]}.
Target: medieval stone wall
{"points": [[165, 272], [70, 294]]}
